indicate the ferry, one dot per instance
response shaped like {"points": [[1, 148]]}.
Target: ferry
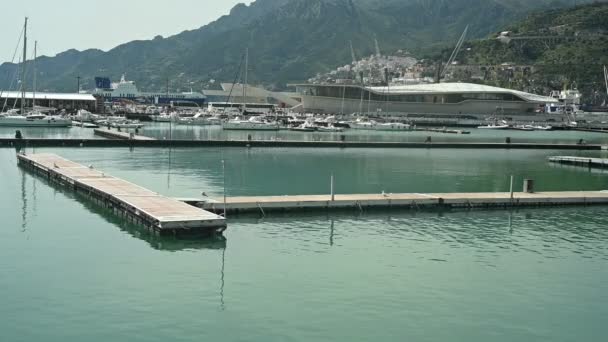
{"points": [[128, 90]]}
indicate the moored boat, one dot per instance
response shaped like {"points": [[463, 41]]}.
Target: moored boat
{"points": [[253, 124]]}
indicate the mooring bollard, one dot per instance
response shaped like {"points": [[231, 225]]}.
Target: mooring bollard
{"points": [[508, 140], [529, 186]]}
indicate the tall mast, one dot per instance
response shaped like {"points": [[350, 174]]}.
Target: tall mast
{"points": [[23, 67], [606, 78], [34, 68], [246, 80]]}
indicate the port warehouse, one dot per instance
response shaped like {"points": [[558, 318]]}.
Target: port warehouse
{"points": [[68, 101], [438, 98]]}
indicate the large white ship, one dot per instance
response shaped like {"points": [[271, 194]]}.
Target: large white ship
{"points": [[440, 100], [128, 90]]}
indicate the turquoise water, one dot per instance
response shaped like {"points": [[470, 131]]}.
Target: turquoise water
{"points": [[166, 131], [72, 272]]}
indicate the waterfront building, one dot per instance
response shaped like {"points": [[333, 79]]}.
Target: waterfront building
{"points": [[465, 99], [68, 101]]}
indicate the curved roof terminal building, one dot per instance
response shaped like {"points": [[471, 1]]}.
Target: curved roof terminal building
{"points": [[464, 99]]}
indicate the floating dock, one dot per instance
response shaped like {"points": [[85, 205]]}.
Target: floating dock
{"points": [[146, 142], [414, 201], [159, 214], [581, 161], [115, 134]]}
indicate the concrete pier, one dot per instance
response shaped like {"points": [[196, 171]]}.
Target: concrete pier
{"points": [[581, 161], [115, 134], [156, 213], [413, 201]]}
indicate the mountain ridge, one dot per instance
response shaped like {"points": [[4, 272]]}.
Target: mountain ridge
{"points": [[289, 40]]}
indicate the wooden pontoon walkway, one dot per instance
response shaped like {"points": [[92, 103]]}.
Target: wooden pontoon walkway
{"points": [[581, 161], [162, 215], [404, 201], [115, 134]]}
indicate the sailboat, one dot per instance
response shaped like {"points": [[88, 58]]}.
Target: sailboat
{"points": [[254, 123], [33, 118]]}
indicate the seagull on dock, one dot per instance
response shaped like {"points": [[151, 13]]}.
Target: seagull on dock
{"points": [[384, 194]]}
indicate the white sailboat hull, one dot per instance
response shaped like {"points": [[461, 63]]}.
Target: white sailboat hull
{"points": [[249, 126], [20, 121]]}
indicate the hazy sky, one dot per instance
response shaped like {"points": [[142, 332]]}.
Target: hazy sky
{"points": [[59, 25]]}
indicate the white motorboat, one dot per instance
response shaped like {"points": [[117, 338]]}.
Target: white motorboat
{"points": [[494, 126], [305, 127], [392, 126], [330, 129], [127, 124], [363, 125], [162, 118], [85, 116], [253, 124], [543, 128], [84, 124], [527, 128], [375, 126], [201, 120]]}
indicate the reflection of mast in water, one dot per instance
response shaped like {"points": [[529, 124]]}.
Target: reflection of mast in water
{"points": [[169, 170], [222, 303], [34, 199], [331, 233], [510, 222], [23, 204]]}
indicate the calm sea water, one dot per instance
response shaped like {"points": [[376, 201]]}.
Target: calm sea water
{"points": [[72, 272]]}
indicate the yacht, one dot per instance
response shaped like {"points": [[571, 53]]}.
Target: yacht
{"points": [[200, 119], [33, 120], [255, 123], [494, 126], [330, 129], [391, 126], [375, 126]]}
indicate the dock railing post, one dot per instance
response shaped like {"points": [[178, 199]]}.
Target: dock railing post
{"points": [[331, 185]]}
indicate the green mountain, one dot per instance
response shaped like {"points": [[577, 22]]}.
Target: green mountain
{"points": [[289, 41], [564, 48]]}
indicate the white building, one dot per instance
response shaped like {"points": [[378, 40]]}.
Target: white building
{"points": [[465, 99]]}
